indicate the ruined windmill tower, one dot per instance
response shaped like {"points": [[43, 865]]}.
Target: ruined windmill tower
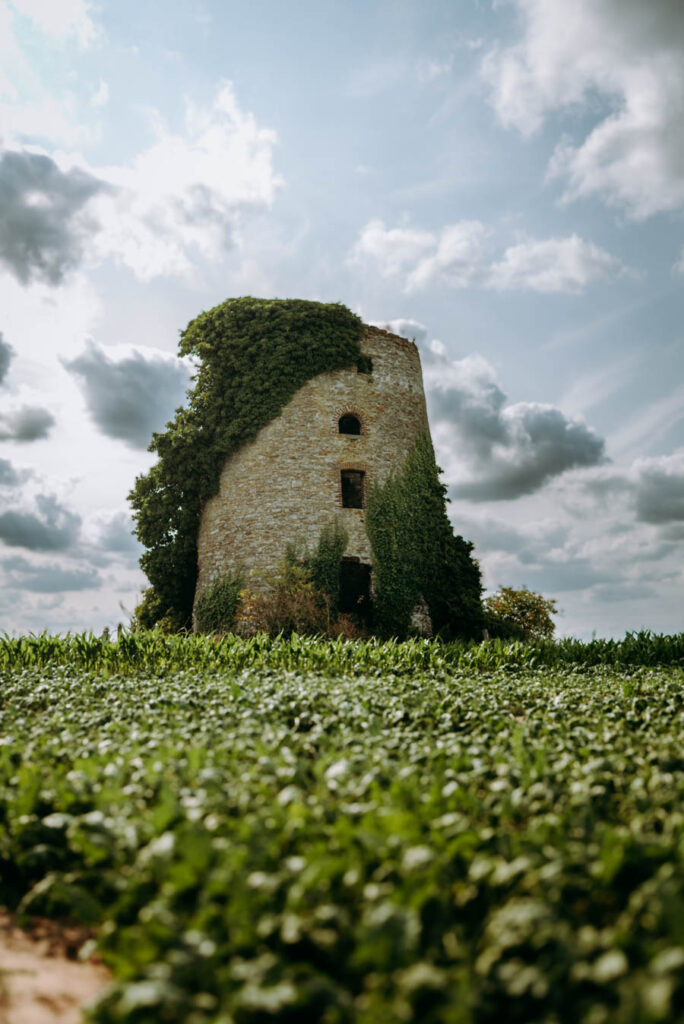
{"points": [[343, 431]]}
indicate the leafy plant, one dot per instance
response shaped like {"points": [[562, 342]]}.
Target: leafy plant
{"points": [[415, 552], [284, 602], [217, 605], [325, 563], [522, 613], [321, 831]]}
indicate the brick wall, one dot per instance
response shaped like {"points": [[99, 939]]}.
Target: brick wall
{"points": [[285, 485]]}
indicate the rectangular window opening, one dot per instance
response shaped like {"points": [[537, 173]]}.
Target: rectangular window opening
{"points": [[352, 488]]}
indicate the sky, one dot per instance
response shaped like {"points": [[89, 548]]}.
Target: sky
{"points": [[501, 180]]}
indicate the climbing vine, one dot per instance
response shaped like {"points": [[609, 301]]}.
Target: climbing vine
{"points": [[253, 355], [415, 552], [326, 561]]}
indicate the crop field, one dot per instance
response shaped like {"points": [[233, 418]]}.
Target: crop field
{"points": [[323, 831]]}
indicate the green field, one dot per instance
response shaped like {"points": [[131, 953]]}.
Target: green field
{"points": [[303, 830]]}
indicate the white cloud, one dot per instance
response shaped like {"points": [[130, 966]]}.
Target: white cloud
{"points": [[188, 194], [392, 250], [553, 265], [629, 54], [456, 256], [405, 327], [59, 18]]}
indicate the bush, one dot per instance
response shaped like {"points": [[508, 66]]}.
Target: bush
{"points": [[284, 602], [519, 614], [217, 606], [151, 614]]}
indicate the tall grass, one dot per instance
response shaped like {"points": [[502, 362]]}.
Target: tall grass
{"points": [[159, 654]]}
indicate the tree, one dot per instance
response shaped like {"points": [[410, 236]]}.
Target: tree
{"points": [[520, 613]]}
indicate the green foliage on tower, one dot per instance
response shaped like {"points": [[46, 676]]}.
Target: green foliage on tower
{"points": [[325, 563], [415, 552], [253, 356]]}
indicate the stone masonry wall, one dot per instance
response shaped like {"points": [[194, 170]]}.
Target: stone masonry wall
{"points": [[285, 485]]}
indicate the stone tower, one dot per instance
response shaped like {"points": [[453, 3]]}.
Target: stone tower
{"points": [[342, 431]]}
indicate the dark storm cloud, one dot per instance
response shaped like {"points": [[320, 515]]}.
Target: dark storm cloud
{"points": [[521, 447], [132, 397], [660, 494], [49, 579], [52, 528], [30, 423], [510, 450], [42, 222], [6, 353]]}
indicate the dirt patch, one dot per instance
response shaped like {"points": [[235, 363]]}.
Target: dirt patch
{"points": [[41, 981]]}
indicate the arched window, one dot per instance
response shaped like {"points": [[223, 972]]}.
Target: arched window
{"points": [[349, 424]]}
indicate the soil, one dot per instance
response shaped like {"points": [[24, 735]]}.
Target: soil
{"points": [[41, 979]]}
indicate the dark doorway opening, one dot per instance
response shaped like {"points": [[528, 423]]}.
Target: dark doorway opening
{"points": [[355, 589], [352, 488]]}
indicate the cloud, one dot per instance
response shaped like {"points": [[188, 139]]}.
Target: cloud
{"points": [[43, 223], [29, 423], [11, 477], [52, 528], [130, 397], [553, 265], [59, 18], [189, 193], [48, 579], [456, 256], [6, 353], [660, 489], [115, 537], [498, 451], [392, 250], [627, 54], [404, 327], [458, 259]]}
